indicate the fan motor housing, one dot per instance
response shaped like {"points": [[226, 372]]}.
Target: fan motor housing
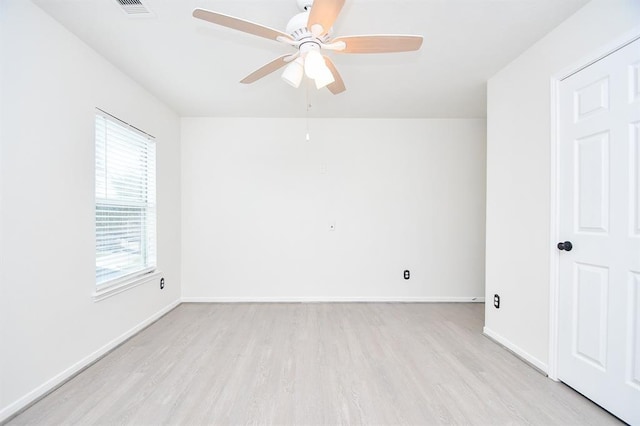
{"points": [[298, 23], [297, 28]]}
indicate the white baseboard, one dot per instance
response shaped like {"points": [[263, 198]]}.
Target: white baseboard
{"points": [[188, 299], [53, 383], [521, 353]]}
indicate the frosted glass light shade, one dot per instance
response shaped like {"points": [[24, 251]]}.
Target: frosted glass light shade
{"points": [[324, 78], [313, 64], [293, 72]]}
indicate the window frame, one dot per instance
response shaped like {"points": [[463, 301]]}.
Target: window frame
{"points": [[149, 271]]}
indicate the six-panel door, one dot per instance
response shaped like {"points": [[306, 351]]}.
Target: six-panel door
{"points": [[599, 212]]}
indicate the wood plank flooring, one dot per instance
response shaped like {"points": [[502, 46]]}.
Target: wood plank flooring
{"points": [[308, 364]]}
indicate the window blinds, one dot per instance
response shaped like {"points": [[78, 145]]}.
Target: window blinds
{"points": [[125, 201]]}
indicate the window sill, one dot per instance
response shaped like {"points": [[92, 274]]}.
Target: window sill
{"points": [[105, 293]]}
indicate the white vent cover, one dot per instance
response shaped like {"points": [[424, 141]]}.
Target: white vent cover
{"points": [[134, 7]]}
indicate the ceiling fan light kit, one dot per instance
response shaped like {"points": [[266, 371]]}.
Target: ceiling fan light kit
{"points": [[310, 32], [294, 72], [324, 77], [313, 63]]}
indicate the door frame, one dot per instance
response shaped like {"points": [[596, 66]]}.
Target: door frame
{"points": [[554, 257]]}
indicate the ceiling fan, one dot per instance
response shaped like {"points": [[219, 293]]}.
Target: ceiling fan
{"points": [[310, 32]]}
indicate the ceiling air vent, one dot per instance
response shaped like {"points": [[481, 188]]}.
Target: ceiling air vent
{"points": [[134, 7]]}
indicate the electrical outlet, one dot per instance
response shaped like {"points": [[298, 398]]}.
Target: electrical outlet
{"points": [[496, 301], [161, 283], [407, 274]]}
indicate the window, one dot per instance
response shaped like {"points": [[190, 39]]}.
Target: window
{"points": [[125, 202]]}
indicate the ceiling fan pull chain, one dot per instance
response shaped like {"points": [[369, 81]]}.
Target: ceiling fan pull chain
{"points": [[308, 105]]}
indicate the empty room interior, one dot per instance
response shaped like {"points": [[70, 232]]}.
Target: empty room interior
{"points": [[302, 212]]}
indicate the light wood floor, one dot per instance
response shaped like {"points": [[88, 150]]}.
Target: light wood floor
{"points": [[363, 363]]}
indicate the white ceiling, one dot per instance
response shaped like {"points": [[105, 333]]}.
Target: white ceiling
{"points": [[195, 67]]}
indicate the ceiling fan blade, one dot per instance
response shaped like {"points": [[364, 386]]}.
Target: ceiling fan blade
{"points": [[239, 24], [338, 85], [323, 15], [379, 43], [267, 69]]}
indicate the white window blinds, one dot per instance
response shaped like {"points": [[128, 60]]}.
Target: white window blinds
{"points": [[125, 201]]}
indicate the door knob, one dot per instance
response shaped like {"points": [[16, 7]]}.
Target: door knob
{"points": [[566, 246]]}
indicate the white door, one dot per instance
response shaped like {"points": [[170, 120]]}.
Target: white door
{"points": [[599, 217]]}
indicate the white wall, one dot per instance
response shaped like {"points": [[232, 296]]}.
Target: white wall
{"points": [[518, 173], [51, 82], [404, 194]]}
